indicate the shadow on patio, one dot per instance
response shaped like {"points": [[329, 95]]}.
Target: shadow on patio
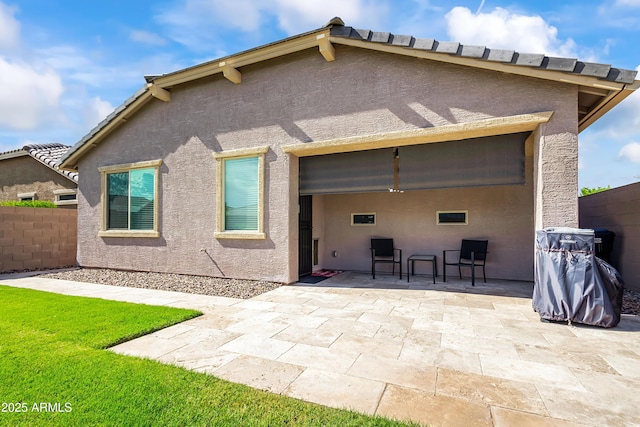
{"points": [[506, 288]]}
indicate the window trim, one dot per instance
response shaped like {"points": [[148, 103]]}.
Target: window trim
{"points": [[104, 171], [220, 232], [65, 192], [27, 197], [465, 212], [354, 223]]}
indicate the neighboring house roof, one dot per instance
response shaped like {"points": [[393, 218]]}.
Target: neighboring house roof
{"points": [[47, 154], [600, 86]]}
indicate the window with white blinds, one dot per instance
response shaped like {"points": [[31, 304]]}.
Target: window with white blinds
{"points": [[241, 194], [130, 200]]}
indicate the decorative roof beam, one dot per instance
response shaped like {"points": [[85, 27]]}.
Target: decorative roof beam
{"points": [[326, 48], [230, 73], [605, 105], [452, 132], [264, 53], [159, 93], [594, 91]]}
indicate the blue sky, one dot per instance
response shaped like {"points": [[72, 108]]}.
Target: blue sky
{"points": [[65, 65]]}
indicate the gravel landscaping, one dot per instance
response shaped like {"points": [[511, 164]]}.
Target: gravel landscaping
{"points": [[233, 288]]}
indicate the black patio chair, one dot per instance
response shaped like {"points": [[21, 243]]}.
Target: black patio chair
{"points": [[383, 251], [472, 254]]}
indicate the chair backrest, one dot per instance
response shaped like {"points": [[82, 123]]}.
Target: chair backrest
{"points": [[382, 247], [478, 247]]}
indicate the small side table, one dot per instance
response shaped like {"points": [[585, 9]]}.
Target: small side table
{"points": [[411, 265]]}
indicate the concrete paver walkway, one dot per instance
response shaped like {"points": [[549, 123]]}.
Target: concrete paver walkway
{"points": [[443, 354]]}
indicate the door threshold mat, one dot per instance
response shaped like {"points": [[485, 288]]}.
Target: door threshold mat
{"points": [[319, 276]]}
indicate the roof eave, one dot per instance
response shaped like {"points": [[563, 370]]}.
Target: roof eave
{"points": [[69, 162], [311, 39], [613, 91], [13, 154], [483, 64], [607, 103], [263, 53], [58, 170], [616, 92]]}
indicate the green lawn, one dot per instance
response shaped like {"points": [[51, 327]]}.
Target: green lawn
{"points": [[53, 368]]}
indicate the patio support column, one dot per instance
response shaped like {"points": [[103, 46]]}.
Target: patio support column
{"points": [[294, 210], [555, 173]]}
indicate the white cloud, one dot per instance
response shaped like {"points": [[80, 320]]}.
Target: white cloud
{"points": [[501, 29], [9, 28], [97, 110], [195, 23], [628, 3], [296, 16], [190, 21], [29, 97], [81, 68], [146, 37], [619, 14], [610, 146], [622, 123], [631, 152], [48, 91]]}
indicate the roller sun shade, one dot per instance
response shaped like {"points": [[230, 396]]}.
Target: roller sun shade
{"points": [[494, 160], [357, 172]]}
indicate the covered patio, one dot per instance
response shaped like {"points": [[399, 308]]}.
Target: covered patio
{"points": [[425, 194]]}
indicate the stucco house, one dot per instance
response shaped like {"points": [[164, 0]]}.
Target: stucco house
{"points": [[289, 157], [31, 173]]}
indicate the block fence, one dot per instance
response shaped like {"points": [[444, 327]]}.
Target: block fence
{"points": [[617, 210], [35, 238]]}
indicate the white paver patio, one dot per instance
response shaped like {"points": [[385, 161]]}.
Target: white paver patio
{"points": [[443, 354]]}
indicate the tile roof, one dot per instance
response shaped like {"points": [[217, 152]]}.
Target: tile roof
{"points": [[566, 65], [592, 104], [47, 154]]}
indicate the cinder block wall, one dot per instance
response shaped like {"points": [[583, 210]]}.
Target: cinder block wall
{"points": [[617, 210], [33, 238]]}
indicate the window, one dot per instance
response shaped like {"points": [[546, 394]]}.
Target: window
{"points": [[26, 197], [452, 217], [130, 200], [240, 190], [363, 218], [66, 197]]}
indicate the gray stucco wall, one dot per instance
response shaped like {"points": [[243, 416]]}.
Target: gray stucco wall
{"points": [[503, 215], [617, 210], [302, 98]]}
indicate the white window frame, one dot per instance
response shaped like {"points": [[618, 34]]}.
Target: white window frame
{"points": [[220, 158], [104, 171], [355, 224], [466, 217], [27, 197], [65, 192]]}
